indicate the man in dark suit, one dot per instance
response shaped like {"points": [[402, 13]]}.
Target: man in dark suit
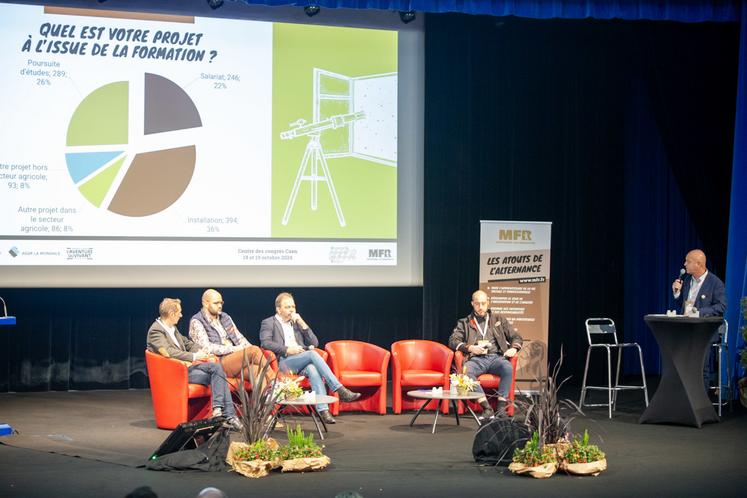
{"points": [[291, 339], [165, 339], [703, 291]]}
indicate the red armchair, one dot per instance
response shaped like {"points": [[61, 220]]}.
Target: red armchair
{"points": [[490, 382], [175, 400], [361, 367], [419, 363]]}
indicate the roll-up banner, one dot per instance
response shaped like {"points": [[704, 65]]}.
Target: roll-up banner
{"points": [[515, 273]]}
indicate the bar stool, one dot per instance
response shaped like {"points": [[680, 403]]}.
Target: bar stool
{"points": [[602, 334], [722, 350]]}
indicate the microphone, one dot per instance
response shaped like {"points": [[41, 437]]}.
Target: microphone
{"points": [[681, 278], [5, 308]]}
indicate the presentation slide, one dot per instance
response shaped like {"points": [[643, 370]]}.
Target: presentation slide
{"points": [[140, 139]]}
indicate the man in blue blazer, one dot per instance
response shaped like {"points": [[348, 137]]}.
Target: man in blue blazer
{"points": [[703, 291], [291, 339]]}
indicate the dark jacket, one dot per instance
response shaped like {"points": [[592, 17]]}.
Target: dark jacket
{"points": [[499, 330], [271, 337]]}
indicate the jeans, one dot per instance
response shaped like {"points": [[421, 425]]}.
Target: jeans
{"points": [[493, 364], [212, 374], [310, 364]]}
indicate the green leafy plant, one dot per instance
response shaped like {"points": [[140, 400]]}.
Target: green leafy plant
{"points": [[534, 453], [259, 450], [546, 413], [258, 406], [300, 445], [580, 451]]}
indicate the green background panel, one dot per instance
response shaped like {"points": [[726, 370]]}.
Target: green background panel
{"points": [[96, 188], [367, 190], [102, 117]]}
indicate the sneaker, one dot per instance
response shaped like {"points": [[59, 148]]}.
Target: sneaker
{"points": [[234, 424], [487, 414], [346, 395], [327, 417]]}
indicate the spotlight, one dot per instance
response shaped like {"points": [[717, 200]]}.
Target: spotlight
{"points": [[407, 16], [311, 10], [214, 4]]}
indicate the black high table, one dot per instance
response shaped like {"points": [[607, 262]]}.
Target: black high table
{"points": [[681, 397]]}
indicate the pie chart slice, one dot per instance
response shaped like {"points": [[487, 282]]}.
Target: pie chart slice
{"points": [[98, 139], [154, 181]]}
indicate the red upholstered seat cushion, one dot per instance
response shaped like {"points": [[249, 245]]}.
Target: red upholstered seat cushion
{"points": [[422, 377], [489, 380], [198, 391], [360, 378]]}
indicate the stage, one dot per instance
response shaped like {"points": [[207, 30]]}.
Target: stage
{"points": [[92, 443]]}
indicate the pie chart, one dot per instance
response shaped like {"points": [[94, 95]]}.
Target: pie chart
{"points": [[114, 174]]}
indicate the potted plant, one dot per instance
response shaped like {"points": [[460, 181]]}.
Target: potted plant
{"points": [[256, 459], [535, 459], [581, 458], [302, 454], [256, 455]]}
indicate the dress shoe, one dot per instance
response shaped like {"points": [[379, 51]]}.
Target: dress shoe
{"points": [[346, 395], [327, 417]]}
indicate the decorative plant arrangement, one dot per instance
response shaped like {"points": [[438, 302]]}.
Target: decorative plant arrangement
{"points": [[288, 388], [259, 454], [582, 458], [546, 421], [536, 459], [463, 383], [302, 454]]}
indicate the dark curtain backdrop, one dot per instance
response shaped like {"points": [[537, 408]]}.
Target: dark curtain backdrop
{"points": [[614, 131], [601, 127], [95, 338]]}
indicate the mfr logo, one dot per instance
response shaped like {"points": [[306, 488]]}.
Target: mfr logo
{"points": [[379, 254], [515, 235]]}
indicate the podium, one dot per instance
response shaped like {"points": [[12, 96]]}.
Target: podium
{"points": [[681, 397]]}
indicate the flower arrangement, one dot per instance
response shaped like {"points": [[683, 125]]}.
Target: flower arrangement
{"points": [[580, 451], [463, 383], [534, 454], [264, 449], [288, 388], [300, 445]]}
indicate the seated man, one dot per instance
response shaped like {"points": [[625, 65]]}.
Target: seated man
{"points": [[165, 339], [487, 340], [291, 339], [214, 331]]}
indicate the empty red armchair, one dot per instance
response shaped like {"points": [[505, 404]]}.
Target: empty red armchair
{"points": [[417, 364], [175, 400], [490, 382], [361, 367]]}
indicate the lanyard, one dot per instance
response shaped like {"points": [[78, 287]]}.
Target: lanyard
{"points": [[484, 330]]}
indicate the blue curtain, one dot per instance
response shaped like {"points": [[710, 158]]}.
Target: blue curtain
{"points": [[736, 262], [672, 10]]}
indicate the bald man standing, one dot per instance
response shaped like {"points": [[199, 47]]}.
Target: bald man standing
{"points": [[702, 290], [214, 331]]}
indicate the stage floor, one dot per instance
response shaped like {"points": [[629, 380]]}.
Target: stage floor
{"points": [[90, 443]]}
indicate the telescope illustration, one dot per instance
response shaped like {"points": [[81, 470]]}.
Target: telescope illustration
{"points": [[313, 167]]}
